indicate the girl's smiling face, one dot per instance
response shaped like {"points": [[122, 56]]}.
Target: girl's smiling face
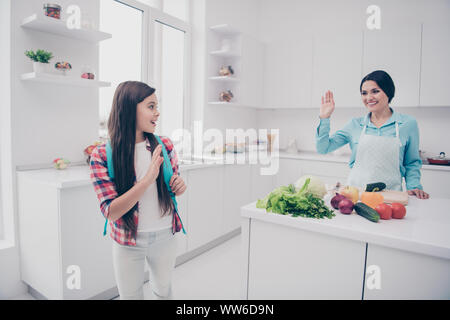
{"points": [[146, 115], [373, 97]]}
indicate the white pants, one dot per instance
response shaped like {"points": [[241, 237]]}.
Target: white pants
{"points": [[159, 249]]}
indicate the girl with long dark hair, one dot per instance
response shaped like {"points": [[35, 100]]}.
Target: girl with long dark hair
{"points": [[133, 195], [384, 143]]}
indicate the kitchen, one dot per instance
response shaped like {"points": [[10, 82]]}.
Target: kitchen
{"points": [[283, 67]]}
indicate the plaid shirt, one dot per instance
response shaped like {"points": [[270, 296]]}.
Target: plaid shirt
{"points": [[106, 191]]}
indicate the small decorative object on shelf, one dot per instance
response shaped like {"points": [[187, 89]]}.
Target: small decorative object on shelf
{"points": [[88, 150], [52, 10], [40, 59], [226, 96], [63, 66], [61, 163], [226, 71], [87, 73]]}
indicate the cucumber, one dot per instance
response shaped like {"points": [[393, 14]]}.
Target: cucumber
{"points": [[377, 186], [367, 212]]}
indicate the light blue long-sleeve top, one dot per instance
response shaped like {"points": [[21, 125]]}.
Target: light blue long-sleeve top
{"points": [[410, 162]]}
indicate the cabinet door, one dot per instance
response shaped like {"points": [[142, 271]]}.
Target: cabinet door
{"points": [[252, 72], [83, 245], [205, 205], [236, 194], [435, 64], [337, 66], [396, 51], [288, 73], [289, 172], [261, 185], [397, 274], [436, 183]]}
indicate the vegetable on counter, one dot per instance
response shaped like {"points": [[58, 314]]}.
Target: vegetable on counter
{"points": [[336, 199], [351, 193], [398, 211], [372, 199], [367, 212], [384, 210], [286, 200], [346, 206], [374, 187], [316, 187]]}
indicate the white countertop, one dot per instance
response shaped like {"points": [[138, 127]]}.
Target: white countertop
{"points": [[75, 176], [78, 175], [425, 228], [304, 155]]}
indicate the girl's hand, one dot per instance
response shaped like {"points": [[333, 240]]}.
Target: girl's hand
{"points": [[153, 169], [327, 107], [418, 193], [177, 185]]}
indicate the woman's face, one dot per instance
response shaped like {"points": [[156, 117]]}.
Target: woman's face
{"points": [[373, 97], [147, 114]]}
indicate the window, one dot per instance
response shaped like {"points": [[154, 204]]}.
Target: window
{"points": [[121, 56], [151, 46], [169, 73]]}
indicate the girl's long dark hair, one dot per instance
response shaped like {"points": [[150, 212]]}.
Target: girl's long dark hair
{"points": [[122, 134]]}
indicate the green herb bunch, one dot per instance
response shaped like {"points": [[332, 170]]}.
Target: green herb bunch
{"points": [[39, 56], [285, 200]]}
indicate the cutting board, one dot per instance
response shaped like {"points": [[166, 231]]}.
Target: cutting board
{"points": [[391, 196]]}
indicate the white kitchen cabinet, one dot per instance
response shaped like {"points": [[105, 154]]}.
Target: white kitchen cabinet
{"points": [[435, 66], [330, 172], [60, 229], [396, 51], [405, 275], [205, 205], [288, 73], [252, 75], [289, 171], [261, 185], [236, 193], [337, 61], [289, 263], [436, 182]]}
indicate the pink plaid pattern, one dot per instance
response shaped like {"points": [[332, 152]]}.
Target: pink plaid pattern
{"points": [[106, 191]]}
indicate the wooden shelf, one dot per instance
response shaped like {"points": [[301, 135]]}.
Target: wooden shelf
{"points": [[62, 80], [225, 30], [41, 22], [224, 79]]}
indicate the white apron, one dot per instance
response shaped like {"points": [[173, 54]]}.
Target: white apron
{"points": [[377, 160]]}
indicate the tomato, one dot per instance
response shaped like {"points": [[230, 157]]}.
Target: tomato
{"points": [[398, 211], [384, 210]]}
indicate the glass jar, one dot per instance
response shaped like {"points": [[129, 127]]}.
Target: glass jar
{"points": [[52, 10]]}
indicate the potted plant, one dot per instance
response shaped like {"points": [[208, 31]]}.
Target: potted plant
{"points": [[40, 59]]}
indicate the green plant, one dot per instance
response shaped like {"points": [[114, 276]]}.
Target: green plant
{"points": [[39, 56]]}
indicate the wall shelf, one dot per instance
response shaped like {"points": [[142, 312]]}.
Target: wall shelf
{"points": [[55, 26], [224, 79], [225, 30], [62, 80], [225, 54]]}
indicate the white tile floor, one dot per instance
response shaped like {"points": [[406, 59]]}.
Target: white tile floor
{"points": [[215, 274]]}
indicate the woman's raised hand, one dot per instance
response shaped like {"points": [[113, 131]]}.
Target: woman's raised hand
{"points": [[157, 160], [327, 107]]}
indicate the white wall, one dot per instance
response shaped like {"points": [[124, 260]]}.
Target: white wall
{"points": [[282, 19], [47, 121]]}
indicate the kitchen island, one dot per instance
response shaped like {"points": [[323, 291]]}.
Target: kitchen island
{"points": [[348, 256]]}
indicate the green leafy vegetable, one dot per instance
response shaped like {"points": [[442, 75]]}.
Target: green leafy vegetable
{"points": [[285, 200]]}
